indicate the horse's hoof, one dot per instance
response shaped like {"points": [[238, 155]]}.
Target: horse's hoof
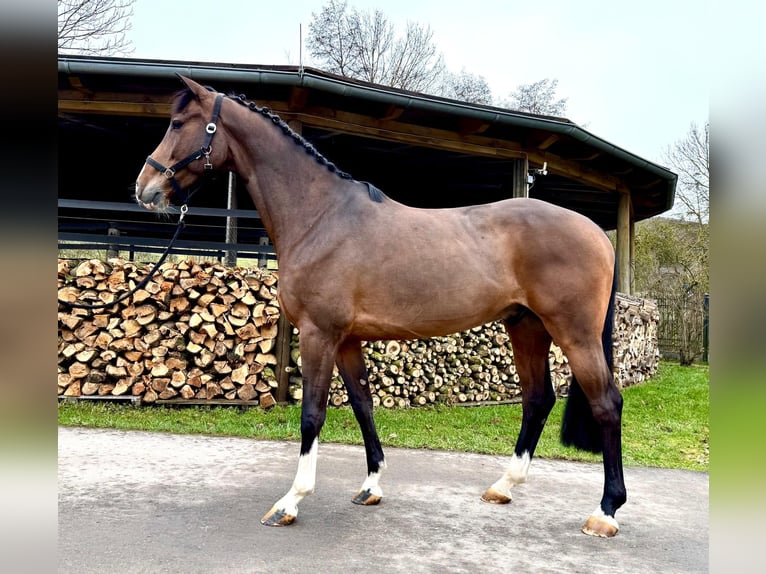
{"points": [[602, 526], [366, 498], [275, 517], [494, 497]]}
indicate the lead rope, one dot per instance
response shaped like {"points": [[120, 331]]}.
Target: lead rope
{"points": [[145, 280]]}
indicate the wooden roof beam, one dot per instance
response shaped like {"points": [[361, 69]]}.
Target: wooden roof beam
{"points": [[299, 97], [392, 112], [470, 126], [409, 134], [548, 142], [77, 84], [579, 172], [648, 185], [589, 157], [148, 109], [356, 124]]}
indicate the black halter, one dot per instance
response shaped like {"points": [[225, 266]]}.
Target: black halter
{"points": [[170, 172]]}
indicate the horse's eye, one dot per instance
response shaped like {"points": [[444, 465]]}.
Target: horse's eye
{"points": [[176, 124]]}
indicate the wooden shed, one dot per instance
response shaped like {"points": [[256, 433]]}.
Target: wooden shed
{"points": [[419, 149]]}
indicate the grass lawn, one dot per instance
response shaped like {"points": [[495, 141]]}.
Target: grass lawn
{"points": [[665, 423]]}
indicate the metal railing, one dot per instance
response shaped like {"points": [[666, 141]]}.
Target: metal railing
{"points": [[116, 227]]}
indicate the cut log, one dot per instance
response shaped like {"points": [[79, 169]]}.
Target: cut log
{"points": [[121, 387], [267, 400], [145, 314], [239, 375], [78, 370], [266, 358], [247, 392], [248, 331]]}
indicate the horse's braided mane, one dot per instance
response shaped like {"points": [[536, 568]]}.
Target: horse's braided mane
{"points": [[288, 131], [182, 99]]}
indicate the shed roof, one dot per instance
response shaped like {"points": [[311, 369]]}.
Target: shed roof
{"points": [[422, 150]]}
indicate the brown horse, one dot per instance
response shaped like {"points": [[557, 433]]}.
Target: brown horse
{"points": [[354, 265]]}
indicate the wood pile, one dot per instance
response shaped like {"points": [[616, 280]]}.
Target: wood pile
{"points": [[637, 351], [473, 366], [202, 332], [195, 331]]}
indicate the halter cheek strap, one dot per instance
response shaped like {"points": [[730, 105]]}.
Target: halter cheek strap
{"points": [[204, 151]]}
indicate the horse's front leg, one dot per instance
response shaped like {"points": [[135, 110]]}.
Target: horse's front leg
{"points": [[317, 356], [352, 369]]}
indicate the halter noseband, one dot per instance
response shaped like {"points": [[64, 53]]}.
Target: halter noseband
{"points": [[210, 129]]}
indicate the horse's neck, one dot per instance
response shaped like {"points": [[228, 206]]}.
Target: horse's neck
{"points": [[289, 188]]}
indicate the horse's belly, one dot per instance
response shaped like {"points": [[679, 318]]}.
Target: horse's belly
{"points": [[429, 312]]}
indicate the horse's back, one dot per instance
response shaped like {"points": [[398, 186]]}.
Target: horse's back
{"points": [[393, 271]]}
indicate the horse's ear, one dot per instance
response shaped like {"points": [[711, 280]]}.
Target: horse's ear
{"points": [[195, 88]]}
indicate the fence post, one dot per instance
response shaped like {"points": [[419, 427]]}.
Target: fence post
{"points": [[231, 222], [263, 261], [705, 327], [112, 250], [284, 335]]}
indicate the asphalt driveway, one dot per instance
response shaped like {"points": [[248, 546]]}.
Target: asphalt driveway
{"points": [[136, 502]]}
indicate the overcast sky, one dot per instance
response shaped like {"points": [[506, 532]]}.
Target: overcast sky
{"points": [[634, 73]]}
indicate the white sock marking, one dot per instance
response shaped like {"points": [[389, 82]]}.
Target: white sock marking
{"points": [[303, 485], [371, 483], [516, 473], [598, 513]]}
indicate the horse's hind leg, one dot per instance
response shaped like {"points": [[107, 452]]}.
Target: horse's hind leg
{"points": [[354, 373], [531, 344], [317, 354], [590, 371]]}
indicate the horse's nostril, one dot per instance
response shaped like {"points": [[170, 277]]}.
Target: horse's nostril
{"points": [[149, 199]]}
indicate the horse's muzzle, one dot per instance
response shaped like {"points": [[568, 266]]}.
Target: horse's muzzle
{"points": [[152, 198]]}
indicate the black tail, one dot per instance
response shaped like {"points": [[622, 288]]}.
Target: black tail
{"points": [[579, 428]]}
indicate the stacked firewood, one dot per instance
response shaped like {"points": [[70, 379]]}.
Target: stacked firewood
{"points": [[477, 365], [195, 331], [636, 352], [202, 331]]}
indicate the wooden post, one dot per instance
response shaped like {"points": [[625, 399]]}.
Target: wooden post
{"points": [[623, 244], [263, 261], [284, 335], [520, 171], [632, 255], [113, 250], [296, 126]]}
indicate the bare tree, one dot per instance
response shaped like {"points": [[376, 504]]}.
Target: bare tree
{"points": [[372, 39], [690, 158], [95, 27], [415, 62], [365, 46], [329, 39], [672, 255], [466, 87], [538, 98]]}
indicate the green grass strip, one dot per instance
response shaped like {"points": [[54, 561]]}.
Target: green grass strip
{"points": [[665, 423]]}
